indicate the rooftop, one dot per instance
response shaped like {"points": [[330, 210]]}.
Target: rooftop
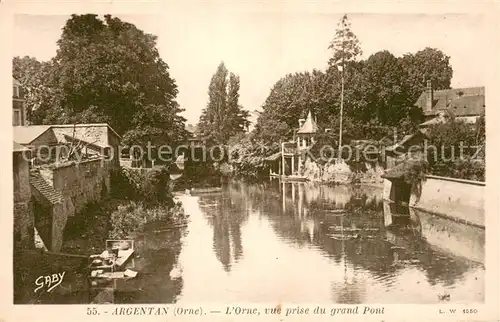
{"points": [[459, 101], [26, 134], [309, 125]]}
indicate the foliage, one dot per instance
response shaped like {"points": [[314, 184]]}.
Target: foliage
{"points": [[129, 218], [427, 64], [105, 71], [455, 146], [152, 186], [247, 156], [345, 45], [379, 97], [290, 99], [38, 95], [223, 117]]}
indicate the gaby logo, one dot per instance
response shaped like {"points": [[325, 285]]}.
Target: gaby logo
{"points": [[49, 281]]}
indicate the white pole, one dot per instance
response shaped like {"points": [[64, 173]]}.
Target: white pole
{"points": [[341, 111]]}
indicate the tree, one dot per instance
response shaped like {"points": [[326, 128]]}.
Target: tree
{"points": [[290, 99], [35, 78], [345, 45], [223, 117], [110, 71], [427, 64]]}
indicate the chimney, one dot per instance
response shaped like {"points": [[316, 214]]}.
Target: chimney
{"points": [[301, 122], [430, 96]]}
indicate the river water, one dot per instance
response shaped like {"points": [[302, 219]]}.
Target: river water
{"points": [[289, 242]]}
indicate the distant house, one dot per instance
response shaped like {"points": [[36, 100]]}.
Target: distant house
{"points": [[18, 107], [465, 104]]}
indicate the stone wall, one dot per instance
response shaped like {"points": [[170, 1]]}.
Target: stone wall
{"points": [[460, 200], [82, 182], [23, 212]]}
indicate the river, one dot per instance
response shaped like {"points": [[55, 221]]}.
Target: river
{"points": [[288, 242]]}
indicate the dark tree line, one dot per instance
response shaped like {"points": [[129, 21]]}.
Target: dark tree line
{"points": [[380, 91], [104, 71]]}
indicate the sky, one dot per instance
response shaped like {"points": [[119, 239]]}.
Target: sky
{"points": [[261, 47]]}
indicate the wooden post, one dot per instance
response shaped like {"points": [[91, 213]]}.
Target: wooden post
{"points": [[283, 158]]}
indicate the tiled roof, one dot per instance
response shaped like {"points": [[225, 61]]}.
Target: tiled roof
{"points": [[26, 134], [439, 120], [86, 125], [309, 125], [399, 171], [460, 101], [405, 139], [94, 135], [45, 189]]}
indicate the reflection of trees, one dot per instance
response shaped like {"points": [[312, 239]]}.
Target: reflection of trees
{"points": [[226, 213], [159, 253], [370, 250]]}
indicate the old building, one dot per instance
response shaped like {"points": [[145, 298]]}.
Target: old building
{"points": [[465, 104], [23, 211], [52, 143], [18, 107], [55, 188]]}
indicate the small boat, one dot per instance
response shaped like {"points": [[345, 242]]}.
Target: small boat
{"points": [[335, 211], [294, 178], [198, 191], [343, 236]]}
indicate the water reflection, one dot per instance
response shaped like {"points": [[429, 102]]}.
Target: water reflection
{"points": [[304, 242]]}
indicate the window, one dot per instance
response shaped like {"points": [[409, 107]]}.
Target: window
{"points": [[16, 118], [16, 91]]}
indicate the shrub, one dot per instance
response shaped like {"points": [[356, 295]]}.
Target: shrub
{"points": [[131, 217], [151, 185]]}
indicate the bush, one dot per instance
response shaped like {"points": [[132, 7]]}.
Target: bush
{"points": [[131, 217], [247, 159], [151, 185]]}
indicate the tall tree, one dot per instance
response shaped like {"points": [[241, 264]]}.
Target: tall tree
{"points": [[345, 45], [223, 117], [110, 71], [346, 50], [427, 64]]}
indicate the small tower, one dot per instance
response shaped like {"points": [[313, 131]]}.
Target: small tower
{"points": [[306, 132]]}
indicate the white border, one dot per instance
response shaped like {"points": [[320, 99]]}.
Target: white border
{"points": [[490, 9]]}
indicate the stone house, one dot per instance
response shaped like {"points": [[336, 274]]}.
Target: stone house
{"points": [[18, 106], [50, 143], [56, 188], [466, 104], [23, 211]]}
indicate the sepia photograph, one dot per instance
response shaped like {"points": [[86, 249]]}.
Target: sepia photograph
{"points": [[196, 156]]}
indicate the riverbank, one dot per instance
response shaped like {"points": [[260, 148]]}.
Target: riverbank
{"points": [[85, 234]]}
